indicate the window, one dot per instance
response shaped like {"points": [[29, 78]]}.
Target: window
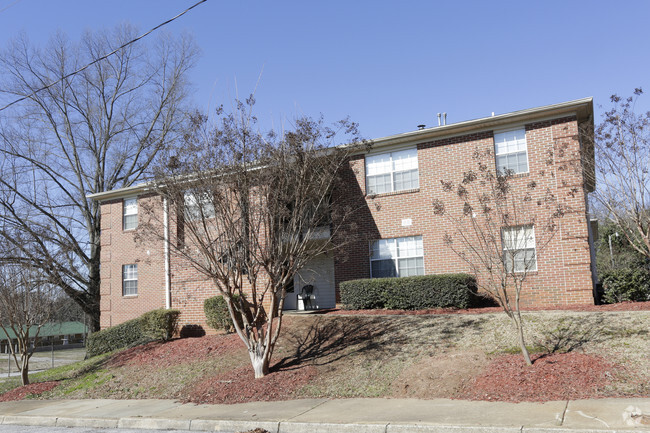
{"points": [[400, 257], [129, 280], [130, 207], [389, 172], [198, 206], [519, 248], [511, 151]]}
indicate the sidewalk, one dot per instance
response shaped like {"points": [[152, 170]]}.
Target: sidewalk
{"points": [[339, 416]]}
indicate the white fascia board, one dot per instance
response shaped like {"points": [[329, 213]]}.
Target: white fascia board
{"points": [[582, 108]]}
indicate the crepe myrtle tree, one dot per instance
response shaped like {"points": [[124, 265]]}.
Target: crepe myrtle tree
{"points": [[254, 208], [622, 171], [26, 304], [500, 225], [91, 131]]}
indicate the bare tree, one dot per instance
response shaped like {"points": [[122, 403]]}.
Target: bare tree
{"points": [[500, 224], [94, 131], [253, 209], [622, 146], [26, 304]]}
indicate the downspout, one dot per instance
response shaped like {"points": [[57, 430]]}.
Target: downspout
{"points": [[168, 276]]}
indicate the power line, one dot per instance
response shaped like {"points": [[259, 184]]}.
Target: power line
{"points": [[103, 57], [9, 5]]}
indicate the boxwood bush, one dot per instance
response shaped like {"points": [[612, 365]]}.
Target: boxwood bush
{"points": [[626, 284], [217, 315], [158, 324], [410, 293]]}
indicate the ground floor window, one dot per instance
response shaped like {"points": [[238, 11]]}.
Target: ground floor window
{"points": [[129, 280], [519, 248], [398, 257]]}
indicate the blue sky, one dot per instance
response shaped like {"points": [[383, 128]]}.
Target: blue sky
{"points": [[388, 65]]}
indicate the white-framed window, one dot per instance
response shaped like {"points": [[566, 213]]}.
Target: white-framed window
{"points": [[129, 280], [394, 171], [198, 206], [398, 257], [511, 151], [130, 212], [519, 248]]}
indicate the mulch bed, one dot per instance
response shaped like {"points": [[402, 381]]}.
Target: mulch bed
{"points": [[240, 386], [31, 389], [177, 351], [560, 376], [623, 306]]}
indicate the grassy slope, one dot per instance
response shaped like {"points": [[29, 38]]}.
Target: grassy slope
{"points": [[376, 356]]}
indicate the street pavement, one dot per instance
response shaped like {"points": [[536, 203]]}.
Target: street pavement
{"points": [[337, 416]]}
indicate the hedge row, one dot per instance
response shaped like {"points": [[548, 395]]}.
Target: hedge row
{"points": [[626, 284], [155, 325], [410, 293]]}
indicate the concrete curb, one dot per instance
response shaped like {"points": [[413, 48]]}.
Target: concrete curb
{"points": [[227, 426]]}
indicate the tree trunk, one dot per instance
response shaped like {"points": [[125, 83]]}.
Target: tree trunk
{"points": [[260, 363], [520, 337], [24, 372]]}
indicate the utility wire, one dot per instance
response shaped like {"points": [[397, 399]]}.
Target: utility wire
{"points": [[103, 57], [9, 5]]}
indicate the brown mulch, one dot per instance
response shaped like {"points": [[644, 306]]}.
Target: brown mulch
{"points": [[177, 351], [622, 306], [560, 376], [240, 386], [31, 389]]}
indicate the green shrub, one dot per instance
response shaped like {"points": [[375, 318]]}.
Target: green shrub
{"points": [[217, 315], [125, 334], [160, 324], [626, 284], [410, 293]]}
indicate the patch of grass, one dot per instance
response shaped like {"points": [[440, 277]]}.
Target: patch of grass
{"points": [[87, 382]]}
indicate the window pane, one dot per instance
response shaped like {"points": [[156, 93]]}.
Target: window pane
{"points": [[511, 151], [130, 206], [379, 184], [384, 249], [405, 160], [411, 266], [406, 180], [410, 246], [383, 268], [129, 280], [130, 222], [378, 164]]}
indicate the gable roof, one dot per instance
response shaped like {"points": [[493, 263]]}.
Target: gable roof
{"points": [[582, 108]]}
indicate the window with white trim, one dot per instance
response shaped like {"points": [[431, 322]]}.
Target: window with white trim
{"points": [[129, 280], [198, 206], [398, 257], [511, 151], [519, 248], [394, 171], [130, 212]]}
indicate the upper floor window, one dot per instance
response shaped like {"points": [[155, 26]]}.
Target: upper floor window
{"points": [[519, 248], [198, 206], [394, 171], [511, 151], [130, 207], [129, 280], [399, 257]]}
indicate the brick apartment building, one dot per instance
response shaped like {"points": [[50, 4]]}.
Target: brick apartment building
{"points": [[397, 181]]}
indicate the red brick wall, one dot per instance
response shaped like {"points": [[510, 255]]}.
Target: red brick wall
{"points": [[119, 248], [563, 273], [563, 276]]}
